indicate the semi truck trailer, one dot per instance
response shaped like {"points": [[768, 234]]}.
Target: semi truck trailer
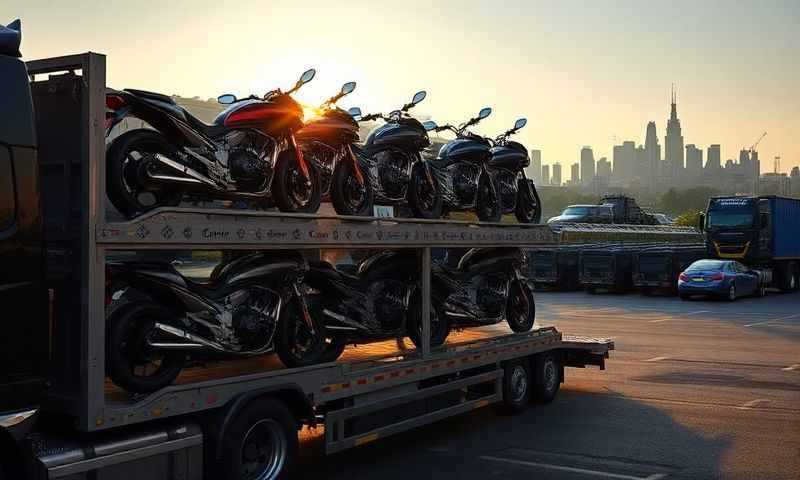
{"points": [[762, 232], [61, 418]]}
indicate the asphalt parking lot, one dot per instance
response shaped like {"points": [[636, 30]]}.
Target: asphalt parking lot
{"points": [[694, 390]]}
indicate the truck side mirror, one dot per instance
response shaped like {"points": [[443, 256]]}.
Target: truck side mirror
{"points": [[701, 221]]}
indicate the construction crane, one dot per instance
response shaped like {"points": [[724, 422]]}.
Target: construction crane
{"points": [[753, 146], [756, 169]]}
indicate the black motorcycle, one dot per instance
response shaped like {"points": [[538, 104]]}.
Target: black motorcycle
{"points": [[392, 156], [483, 287], [463, 182], [518, 194], [375, 300], [248, 154], [250, 306], [326, 141]]}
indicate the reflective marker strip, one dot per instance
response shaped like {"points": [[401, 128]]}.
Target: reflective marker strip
{"points": [[366, 439]]}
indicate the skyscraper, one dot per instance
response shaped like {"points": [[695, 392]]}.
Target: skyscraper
{"points": [[575, 173], [545, 175], [556, 178], [536, 166], [653, 152], [694, 164], [713, 159], [625, 162], [587, 165], [673, 144], [604, 169]]}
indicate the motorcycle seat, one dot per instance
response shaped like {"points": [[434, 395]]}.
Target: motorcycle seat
{"points": [[209, 130], [341, 271], [159, 97]]}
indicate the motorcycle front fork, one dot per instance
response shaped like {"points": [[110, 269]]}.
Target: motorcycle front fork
{"points": [[305, 313]]}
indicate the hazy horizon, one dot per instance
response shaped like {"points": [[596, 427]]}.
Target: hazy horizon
{"points": [[583, 73]]}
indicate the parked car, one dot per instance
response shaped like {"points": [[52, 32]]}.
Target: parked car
{"points": [[585, 214], [728, 279]]}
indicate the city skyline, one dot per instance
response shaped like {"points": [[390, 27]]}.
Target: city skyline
{"points": [[580, 79]]}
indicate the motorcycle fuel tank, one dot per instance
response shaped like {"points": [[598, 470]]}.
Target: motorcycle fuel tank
{"points": [[334, 127], [462, 150], [512, 156], [408, 134], [273, 116]]}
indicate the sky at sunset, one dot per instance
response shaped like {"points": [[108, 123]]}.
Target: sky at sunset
{"points": [[583, 73]]}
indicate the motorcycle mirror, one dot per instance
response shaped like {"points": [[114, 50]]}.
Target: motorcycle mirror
{"points": [[355, 112], [418, 97], [348, 88], [429, 125], [485, 112], [520, 123], [226, 99], [307, 76]]}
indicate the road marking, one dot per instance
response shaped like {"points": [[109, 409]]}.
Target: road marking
{"points": [[791, 368], [656, 359], [678, 315], [780, 319], [754, 403], [585, 471]]}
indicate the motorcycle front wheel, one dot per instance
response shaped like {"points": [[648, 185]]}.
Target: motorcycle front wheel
{"points": [[520, 307], [296, 345], [424, 199], [527, 209], [132, 364], [291, 191], [489, 207], [440, 327], [348, 196], [126, 160]]}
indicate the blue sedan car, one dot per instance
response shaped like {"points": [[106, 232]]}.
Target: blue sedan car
{"points": [[728, 279]]}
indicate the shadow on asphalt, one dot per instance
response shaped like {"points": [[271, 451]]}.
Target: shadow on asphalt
{"points": [[579, 430]]}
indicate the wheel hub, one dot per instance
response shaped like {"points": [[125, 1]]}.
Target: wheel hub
{"points": [[519, 383]]}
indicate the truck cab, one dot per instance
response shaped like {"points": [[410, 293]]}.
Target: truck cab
{"points": [[24, 341], [738, 228]]}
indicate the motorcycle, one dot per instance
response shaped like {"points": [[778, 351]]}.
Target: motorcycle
{"points": [[485, 286], [326, 142], [379, 298], [248, 154], [507, 164], [250, 306], [463, 182], [391, 154]]}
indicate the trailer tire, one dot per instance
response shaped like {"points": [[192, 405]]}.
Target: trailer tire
{"points": [[546, 377], [789, 279], [516, 386], [261, 443]]}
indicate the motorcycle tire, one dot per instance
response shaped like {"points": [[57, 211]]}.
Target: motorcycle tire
{"points": [[440, 327], [123, 186], [347, 196], [527, 210], [290, 191], [489, 207], [423, 202], [128, 329], [292, 331], [520, 307]]}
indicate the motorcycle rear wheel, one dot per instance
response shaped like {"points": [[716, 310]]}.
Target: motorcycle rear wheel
{"points": [[347, 196], [440, 327], [489, 207], [526, 209], [124, 165], [295, 345], [132, 364], [290, 191], [424, 199], [520, 308]]}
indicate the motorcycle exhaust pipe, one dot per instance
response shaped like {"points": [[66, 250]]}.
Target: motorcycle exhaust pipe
{"points": [[187, 175], [190, 340]]}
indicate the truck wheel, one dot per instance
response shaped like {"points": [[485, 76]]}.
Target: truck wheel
{"points": [[546, 377], [516, 386], [762, 289], [260, 444], [789, 280], [132, 364]]}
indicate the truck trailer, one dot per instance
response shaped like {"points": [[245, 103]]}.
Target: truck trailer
{"points": [[60, 417], [762, 232]]}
